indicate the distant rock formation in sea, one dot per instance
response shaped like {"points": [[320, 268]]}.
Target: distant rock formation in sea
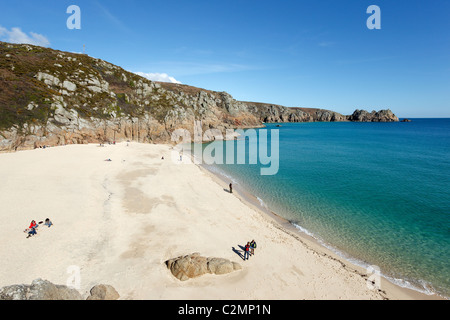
{"points": [[49, 98], [381, 116]]}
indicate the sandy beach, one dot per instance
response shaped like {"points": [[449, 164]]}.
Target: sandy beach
{"points": [[118, 221]]}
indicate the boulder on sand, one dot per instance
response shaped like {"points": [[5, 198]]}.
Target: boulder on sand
{"points": [[103, 292], [39, 290], [45, 290], [194, 265]]}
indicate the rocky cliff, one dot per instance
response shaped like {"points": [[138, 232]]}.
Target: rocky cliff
{"points": [[275, 113], [50, 97]]}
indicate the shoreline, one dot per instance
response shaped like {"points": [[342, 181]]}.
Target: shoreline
{"points": [[397, 291], [119, 221]]}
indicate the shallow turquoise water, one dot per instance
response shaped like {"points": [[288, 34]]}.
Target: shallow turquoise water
{"points": [[377, 193]]}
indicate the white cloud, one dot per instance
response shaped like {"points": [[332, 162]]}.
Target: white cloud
{"points": [[163, 77], [183, 68], [16, 35]]}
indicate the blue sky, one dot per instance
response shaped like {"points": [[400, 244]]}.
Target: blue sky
{"points": [[295, 53]]}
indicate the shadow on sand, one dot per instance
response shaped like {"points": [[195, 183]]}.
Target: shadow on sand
{"points": [[240, 253]]}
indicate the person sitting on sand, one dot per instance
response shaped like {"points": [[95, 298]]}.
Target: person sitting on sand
{"points": [[32, 229], [48, 222], [31, 232], [247, 251], [33, 225]]}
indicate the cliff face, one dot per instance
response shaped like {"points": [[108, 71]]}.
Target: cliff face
{"points": [[49, 97], [274, 113]]}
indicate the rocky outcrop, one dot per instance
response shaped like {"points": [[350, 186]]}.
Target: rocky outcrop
{"points": [[70, 98], [39, 290], [45, 290], [270, 113], [374, 116], [103, 292], [192, 266], [328, 116], [50, 97]]}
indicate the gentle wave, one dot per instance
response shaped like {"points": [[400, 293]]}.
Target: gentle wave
{"points": [[221, 173], [425, 287], [261, 202]]}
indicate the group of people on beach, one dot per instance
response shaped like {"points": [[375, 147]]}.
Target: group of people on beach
{"points": [[109, 142], [249, 249], [33, 227]]}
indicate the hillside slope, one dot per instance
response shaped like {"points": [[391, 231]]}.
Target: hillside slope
{"points": [[50, 97]]}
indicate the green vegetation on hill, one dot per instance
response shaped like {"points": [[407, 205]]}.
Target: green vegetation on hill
{"points": [[19, 87]]}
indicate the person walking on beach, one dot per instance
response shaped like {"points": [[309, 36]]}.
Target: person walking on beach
{"points": [[247, 251], [231, 188], [252, 247]]}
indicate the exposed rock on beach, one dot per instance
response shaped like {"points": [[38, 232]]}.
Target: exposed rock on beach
{"points": [[45, 290], [194, 265]]}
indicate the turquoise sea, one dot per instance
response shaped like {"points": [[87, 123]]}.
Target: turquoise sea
{"points": [[376, 193]]}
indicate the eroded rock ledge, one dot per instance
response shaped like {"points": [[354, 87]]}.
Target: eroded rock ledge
{"points": [[194, 265], [45, 290]]}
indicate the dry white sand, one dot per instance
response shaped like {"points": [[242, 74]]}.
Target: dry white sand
{"points": [[119, 221]]}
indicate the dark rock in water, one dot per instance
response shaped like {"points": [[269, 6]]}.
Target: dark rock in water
{"points": [[374, 116], [406, 120]]}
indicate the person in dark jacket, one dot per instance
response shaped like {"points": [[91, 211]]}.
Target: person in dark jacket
{"points": [[247, 251]]}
